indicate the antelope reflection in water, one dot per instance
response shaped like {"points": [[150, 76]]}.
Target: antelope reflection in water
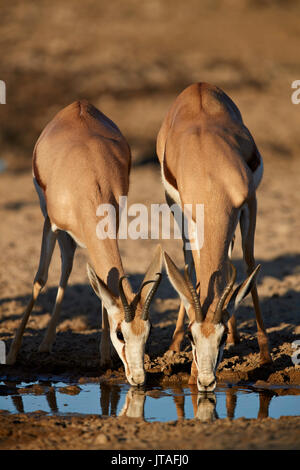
{"points": [[204, 404]]}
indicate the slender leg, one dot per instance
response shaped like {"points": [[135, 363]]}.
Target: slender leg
{"points": [[264, 404], [105, 356], [248, 222], [114, 401], [18, 402], [51, 400], [105, 398], [179, 402], [231, 400], [67, 251], [48, 244], [233, 335]]}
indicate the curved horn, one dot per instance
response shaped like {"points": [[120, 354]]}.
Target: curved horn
{"points": [[198, 310], [138, 295], [128, 310], [219, 310], [145, 312]]}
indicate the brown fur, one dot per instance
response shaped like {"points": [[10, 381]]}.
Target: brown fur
{"points": [[209, 154], [207, 328], [138, 326], [81, 160]]}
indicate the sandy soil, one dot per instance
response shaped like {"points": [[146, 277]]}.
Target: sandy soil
{"points": [[138, 59]]}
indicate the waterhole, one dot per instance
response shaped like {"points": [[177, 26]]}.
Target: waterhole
{"points": [[151, 404]]}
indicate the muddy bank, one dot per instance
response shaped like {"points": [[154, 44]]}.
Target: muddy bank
{"points": [[91, 432]]}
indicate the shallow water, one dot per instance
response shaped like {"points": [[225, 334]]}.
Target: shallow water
{"points": [[151, 404]]}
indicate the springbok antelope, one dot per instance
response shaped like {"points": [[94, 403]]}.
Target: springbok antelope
{"points": [[82, 160], [208, 156]]}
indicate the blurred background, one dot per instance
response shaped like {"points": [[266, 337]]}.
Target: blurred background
{"points": [[131, 58]]}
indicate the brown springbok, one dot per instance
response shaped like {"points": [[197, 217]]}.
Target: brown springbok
{"points": [[82, 161], [209, 157]]}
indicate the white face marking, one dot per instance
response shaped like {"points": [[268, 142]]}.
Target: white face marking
{"points": [[131, 349], [207, 353]]}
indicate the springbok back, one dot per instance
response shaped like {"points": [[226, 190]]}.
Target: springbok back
{"points": [[209, 157], [81, 161]]}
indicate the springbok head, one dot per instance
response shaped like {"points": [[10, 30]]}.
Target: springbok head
{"points": [[128, 316], [208, 333]]}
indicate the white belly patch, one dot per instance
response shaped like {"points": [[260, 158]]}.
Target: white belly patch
{"points": [[79, 243], [170, 190]]}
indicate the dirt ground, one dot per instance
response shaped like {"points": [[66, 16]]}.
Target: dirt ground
{"points": [[131, 59]]}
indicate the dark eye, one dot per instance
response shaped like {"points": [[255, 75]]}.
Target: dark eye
{"points": [[120, 335], [190, 336]]}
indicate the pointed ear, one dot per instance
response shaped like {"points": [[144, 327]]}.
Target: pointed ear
{"points": [[242, 290], [101, 289], [154, 268], [178, 282]]}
